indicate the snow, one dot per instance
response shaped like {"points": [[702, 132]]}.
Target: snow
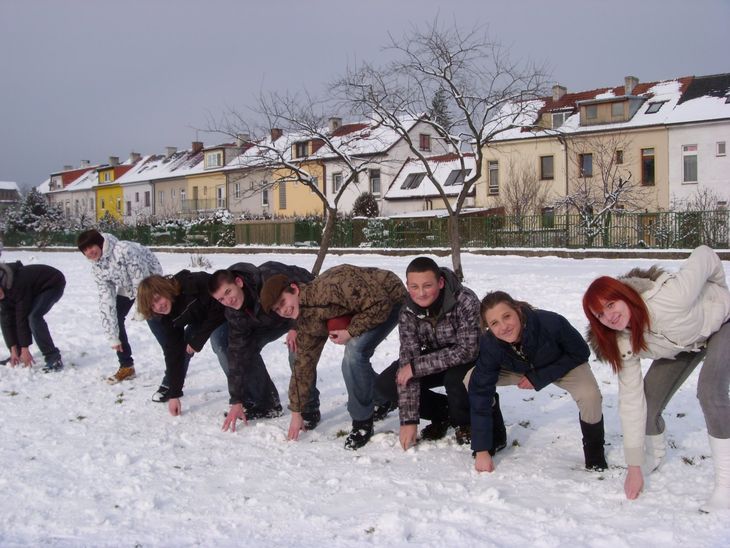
{"points": [[86, 463], [9, 185]]}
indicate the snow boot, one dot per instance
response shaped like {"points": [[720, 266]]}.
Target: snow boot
{"points": [[360, 434], [499, 432], [463, 434], [720, 498], [435, 431], [655, 447], [162, 394], [381, 411], [122, 374], [593, 441], [311, 419], [53, 366]]}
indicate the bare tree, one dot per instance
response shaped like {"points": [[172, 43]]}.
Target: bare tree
{"points": [[289, 119], [600, 184], [475, 81], [522, 193]]}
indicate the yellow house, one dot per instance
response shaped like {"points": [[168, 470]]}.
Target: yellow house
{"points": [[109, 195], [289, 197], [588, 140]]}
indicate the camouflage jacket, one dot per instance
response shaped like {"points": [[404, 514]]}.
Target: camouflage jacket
{"points": [[368, 294]]}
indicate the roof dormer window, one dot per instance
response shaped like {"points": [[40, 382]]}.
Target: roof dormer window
{"points": [[559, 118], [213, 159], [654, 107], [413, 180]]}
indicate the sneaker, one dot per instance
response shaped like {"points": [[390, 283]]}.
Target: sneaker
{"points": [[161, 396], [463, 435], [122, 374], [381, 411], [360, 434], [253, 413], [311, 419], [435, 431], [53, 366]]}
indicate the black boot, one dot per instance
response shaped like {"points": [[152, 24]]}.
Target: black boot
{"points": [[360, 434], [499, 432], [311, 419], [593, 440]]}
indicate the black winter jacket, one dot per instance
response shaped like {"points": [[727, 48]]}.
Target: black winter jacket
{"points": [[195, 309], [243, 324], [551, 348], [25, 284]]}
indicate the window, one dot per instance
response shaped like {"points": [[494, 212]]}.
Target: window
{"points": [[300, 149], [183, 194], [336, 181], [654, 107], [147, 199], [546, 168], [172, 193], [103, 204], [689, 163], [375, 181], [160, 197], [105, 176], [591, 112], [619, 157], [559, 118], [456, 177], [220, 197], [91, 204], [493, 171], [720, 148], [617, 110], [237, 190], [413, 180], [548, 217], [76, 207], [136, 197], [119, 205], [265, 197], [213, 159], [585, 164], [424, 142], [647, 166], [129, 208], [282, 195]]}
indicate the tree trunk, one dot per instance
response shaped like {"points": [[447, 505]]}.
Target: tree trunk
{"points": [[455, 245], [327, 234]]}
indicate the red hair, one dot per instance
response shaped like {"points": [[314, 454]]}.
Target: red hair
{"points": [[605, 289]]}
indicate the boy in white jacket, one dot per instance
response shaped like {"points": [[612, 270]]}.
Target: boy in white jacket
{"points": [[118, 266]]}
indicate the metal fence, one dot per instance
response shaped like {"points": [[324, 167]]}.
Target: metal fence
{"points": [[659, 230]]}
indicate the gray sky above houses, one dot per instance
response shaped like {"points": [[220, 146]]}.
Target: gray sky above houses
{"points": [[89, 79]]}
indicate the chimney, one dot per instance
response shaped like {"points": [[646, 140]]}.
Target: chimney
{"points": [[169, 151], [197, 146], [114, 160], [85, 163], [276, 133], [630, 82], [134, 157], [242, 139], [67, 168], [558, 92], [334, 123]]}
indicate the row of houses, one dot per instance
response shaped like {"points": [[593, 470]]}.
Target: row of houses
{"points": [[670, 137]]}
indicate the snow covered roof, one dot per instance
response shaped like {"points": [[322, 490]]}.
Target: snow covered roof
{"points": [[680, 100], [9, 185], [435, 213], [412, 182], [157, 166]]}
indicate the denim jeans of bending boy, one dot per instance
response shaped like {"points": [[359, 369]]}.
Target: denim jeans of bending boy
{"points": [[42, 304]]}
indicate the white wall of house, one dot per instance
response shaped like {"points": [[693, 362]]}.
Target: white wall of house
{"points": [[712, 165], [138, 202], [245, 194]]}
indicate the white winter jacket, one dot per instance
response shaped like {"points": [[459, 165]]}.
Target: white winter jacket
{"points": [[685, 308], [119, 270]]}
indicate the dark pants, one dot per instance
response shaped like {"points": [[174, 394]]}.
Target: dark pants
{"points": [[259, 390], [42, 304], [124, 304], [454, 406]]}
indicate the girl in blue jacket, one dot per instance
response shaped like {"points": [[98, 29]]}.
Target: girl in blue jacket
{"points": [[531, 348]]}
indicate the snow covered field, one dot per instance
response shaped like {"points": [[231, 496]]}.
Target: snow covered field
{"points": [[83, 463]]}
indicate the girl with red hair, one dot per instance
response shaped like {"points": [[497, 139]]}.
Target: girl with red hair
{"points": [[676, 319]]}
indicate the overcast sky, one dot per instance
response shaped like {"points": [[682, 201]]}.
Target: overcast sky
{"points": [[89, 79]]}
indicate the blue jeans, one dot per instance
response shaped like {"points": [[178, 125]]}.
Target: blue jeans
{"points": [[215, 336], [42, 303], [358, 371]]}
